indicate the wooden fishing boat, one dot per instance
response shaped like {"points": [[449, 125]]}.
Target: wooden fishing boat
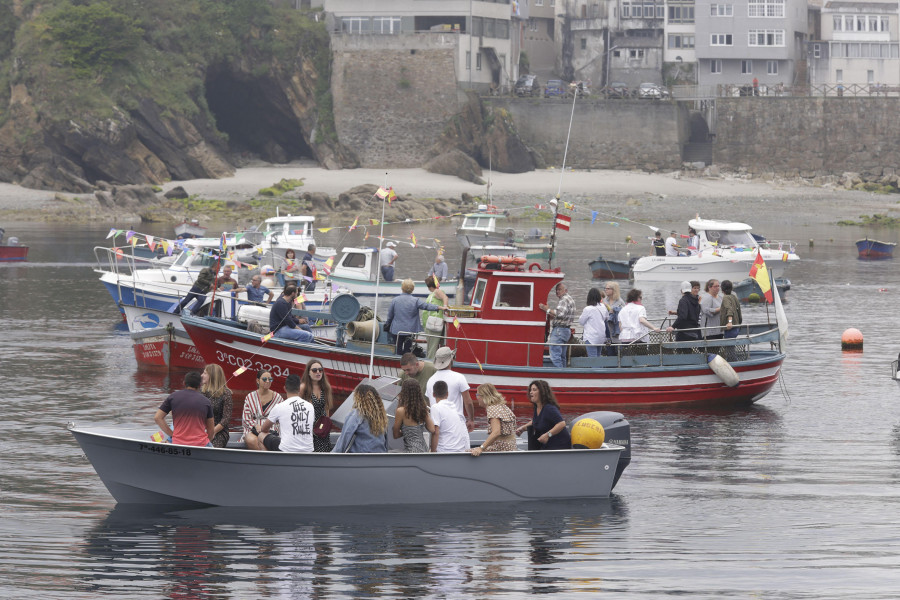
{"points": [[11, 250], [875, 250], [605, 268]]}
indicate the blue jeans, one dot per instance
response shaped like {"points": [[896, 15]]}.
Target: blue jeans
{"points": [[559, 335], [732, 333], [289, 333], [593, 350], [387, 272]]}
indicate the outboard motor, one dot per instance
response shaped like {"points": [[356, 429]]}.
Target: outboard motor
{"points": [[617, 430]]}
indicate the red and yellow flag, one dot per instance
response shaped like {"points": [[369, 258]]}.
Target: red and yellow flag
{"points": [[760, 273]]}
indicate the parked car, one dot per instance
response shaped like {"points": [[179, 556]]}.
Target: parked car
{"points": [[555, 87], [581, 88], [652, 91], [528, 85], [617, 90]]}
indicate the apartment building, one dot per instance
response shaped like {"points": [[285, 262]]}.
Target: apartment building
{"points": [[739, 41], [539, 37], [487, 32], [859, 45]]}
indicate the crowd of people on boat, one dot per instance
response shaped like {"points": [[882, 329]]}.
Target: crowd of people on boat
{"points": [[435, 413]]}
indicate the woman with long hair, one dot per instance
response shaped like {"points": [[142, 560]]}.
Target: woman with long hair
{"points": [[213, 387], [547, 423], [290, 268], [257, 406], [412, 417], [613, 303], [593, 318], [315, 389], [501, 421], [435, 296], [365, 429]]}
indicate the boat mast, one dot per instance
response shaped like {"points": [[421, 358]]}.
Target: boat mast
{"points": [[377, 282], [555, 201]]}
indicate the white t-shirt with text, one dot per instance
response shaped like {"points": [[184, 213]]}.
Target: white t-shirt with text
{"points": [[295, 417]]}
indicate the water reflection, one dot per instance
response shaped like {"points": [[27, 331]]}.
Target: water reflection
{"points": [[400, 552]]}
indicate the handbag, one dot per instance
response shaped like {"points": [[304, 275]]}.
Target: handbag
{"points": [[434, 323], [322, 427]]}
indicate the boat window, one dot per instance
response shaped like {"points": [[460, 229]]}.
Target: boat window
{"points": [[301, 228], [205, 260], [731, 238], [355, 260], [513, 295], [480, 223], [480, 285]]}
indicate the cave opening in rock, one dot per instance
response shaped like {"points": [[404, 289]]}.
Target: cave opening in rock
{"points": [[256, 115]]}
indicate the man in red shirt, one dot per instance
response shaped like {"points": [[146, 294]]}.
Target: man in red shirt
{"points": [[192, 415]]}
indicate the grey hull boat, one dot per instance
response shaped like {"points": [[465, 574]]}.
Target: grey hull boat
{"points": [[137, 470]]}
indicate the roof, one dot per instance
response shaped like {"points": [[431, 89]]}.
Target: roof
{"points": [[707, 224], [291, 219]]}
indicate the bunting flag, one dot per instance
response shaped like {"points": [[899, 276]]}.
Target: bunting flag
{"points": [[240, 370], [158, 437], [133, 241], [760, 273], [594, 214], [366, 236], [223, 244], [238, 237], [374, 222], [568, 205], [328, 264], [266, 338], [150, 243], [381, 193], [563, 222], [540, 206], [391, 195], [166, 247], [784, 257], [456, 322], [112, 233], [413, 236], [301, 298], [128, 235], [355, 221], [478, 362], [325, 229]]}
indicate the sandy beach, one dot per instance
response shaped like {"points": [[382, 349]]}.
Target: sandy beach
{"points": [[671, 196]]}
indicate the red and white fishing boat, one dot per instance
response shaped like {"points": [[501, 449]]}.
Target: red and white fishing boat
{"points": [[11, 250], [500, 338]]}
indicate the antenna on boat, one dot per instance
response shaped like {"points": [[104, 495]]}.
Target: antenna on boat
{"points": [[555, 201], [377, 283]]}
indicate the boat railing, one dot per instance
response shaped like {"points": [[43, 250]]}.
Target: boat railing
{"points": [[661, 349], [123, 261]]}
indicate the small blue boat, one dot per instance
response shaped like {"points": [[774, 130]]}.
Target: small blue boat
{"points": [[603, 268], [875, 250]]}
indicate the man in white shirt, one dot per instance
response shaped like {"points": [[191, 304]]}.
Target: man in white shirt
{"points": [[295, 416], [450, 433], [457, 387], [388, 258], [671, 245]]}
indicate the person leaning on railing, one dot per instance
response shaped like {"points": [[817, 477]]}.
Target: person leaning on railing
{"points": [[633, 320]]}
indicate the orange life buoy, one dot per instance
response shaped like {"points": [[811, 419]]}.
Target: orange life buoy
{"points": [[490, 259], [535, 267], [507, 260], [520, 260]]}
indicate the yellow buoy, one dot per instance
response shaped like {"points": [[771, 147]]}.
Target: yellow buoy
{"points": [[753, 298], [587, 433], [852, 339]]}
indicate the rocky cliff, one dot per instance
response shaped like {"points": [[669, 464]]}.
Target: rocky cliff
{"points": [[126, 93]]}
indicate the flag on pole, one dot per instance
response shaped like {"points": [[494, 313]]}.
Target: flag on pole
{"points": [[760, 273], [381, 193], [563, 222], [391, 195], [223, 243], [112, 232], [594, 214]]}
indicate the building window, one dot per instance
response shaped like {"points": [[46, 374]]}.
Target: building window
{"points": [[386, 25], [721, 10], [747, 67], [681, 41], [838, 23], [885, 24], [715, 66], [720, 39], [681, 13], [870, 77], [355, 24], [766, 37], [638, 53], [765, 8], [538, 2], [817, 50], [478, 61], [772, 67], [584, 43], [468, 61], [839, 76]]}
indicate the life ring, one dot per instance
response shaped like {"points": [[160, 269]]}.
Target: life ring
{"points": [[535, 267], [507, 260], [490, 259], [520, 260]]}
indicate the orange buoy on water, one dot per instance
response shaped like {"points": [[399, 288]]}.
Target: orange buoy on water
{"points": [[852, 339]]}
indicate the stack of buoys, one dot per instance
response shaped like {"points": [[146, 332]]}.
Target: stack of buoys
{"points": [[852, 339]]}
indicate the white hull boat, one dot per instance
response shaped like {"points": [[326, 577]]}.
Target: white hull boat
{"points": [[726, 251]]}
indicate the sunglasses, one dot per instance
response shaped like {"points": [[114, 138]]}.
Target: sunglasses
{"points": [[316, 370], [266, 379]]}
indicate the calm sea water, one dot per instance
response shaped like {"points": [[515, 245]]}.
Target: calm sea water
{"points": [[795, 497]]}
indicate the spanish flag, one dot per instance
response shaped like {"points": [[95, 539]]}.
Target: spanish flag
{"points": [[760, 273]]}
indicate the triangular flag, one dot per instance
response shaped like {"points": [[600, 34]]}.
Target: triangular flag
{"points": [[150, 243], [391, 195], [456, 322], [134, 241], [112, 232], [594, 214], [413, 236], [478, 362], [381, 193], [166, 247], [266, 338], [325, 229], [374, 222], [328, 264], [355, 221], [301, 298], [760, 273], [366, 236], [240, 370], [158, 437]]}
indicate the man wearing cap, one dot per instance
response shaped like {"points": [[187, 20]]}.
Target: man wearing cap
{"points": [[388, 258], [457, 387], [688, 314], [439, 268], [561, 326]]}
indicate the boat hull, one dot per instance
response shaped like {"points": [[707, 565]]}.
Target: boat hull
{"points": [[13, 253], [610, 269], [875, 250], [136, 470], [687, 268], [670, 384], [166, 349]]}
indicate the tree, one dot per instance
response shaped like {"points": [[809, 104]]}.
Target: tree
{"points": [[93, 38]]}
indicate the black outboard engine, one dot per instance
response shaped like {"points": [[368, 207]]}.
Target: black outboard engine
{"points": [[617, 431]]}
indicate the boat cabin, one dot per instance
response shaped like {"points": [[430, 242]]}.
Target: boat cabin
{"points": [[503, 324], [356, 263], [290, 231], [723, 234]]}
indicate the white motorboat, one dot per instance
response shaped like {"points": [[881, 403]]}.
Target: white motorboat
{"points": [[487, 227], [267, 243], [137, 470], [726, 251]]}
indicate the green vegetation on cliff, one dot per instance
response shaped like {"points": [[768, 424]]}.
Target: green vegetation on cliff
{"points": [[81, 59]]}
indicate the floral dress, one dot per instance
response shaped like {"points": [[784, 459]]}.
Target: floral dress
{"points": [[254, 414], [507, 428], [221, 406], [318, 402]]}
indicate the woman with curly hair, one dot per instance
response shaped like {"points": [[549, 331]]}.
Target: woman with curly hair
{"points": [[315, 389], [365, 429], [501, 420], [213, 387], [548, 425], [412, 418]]}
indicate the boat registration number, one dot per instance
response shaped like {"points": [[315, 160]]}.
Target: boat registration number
{"points": [[251, 365], [163, 450]]}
